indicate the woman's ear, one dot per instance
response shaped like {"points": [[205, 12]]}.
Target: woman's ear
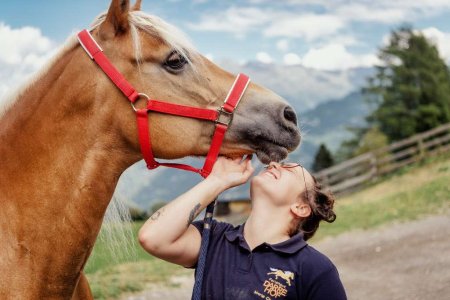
{"points": [[301, 210], [116, 21]]}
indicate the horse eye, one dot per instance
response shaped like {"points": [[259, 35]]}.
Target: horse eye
{"points": [[175, 62]]}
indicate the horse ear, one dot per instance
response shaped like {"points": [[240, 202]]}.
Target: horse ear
{"points": [[137, 5], [116, 21]]}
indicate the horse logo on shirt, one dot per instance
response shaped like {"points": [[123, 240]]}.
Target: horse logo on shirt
{"points": [[286, 275]]}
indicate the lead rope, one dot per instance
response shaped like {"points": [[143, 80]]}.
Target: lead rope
{"points": [[197, 291]]}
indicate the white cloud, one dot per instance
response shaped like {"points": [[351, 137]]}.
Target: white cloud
{"points": [[22, 51], [273, 23], [440, 39], [372, 13], [387, 11], [237, 20], [308, 26], [17, 43], [291, 59], [264, 57], [298, 21], [283, 45], [336, 57], [344, 39]]}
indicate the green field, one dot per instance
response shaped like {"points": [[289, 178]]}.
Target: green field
{"points": [[111, 275], [410, 193]]}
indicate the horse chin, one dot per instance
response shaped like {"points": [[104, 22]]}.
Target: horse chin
{"points": [[271, 152]]}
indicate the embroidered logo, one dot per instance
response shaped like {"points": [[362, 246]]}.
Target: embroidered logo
{"points": [[272, 288], [286, 275]]}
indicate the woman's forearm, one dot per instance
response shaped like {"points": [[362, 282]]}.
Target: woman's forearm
{"points": [[169, 223]]}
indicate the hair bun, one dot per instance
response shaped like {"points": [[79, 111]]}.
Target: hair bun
{"points": [[322, 203]]}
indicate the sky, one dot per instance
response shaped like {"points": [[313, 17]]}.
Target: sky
{"points": [[319, 34]]}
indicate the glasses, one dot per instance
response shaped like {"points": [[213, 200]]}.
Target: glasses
{"points": [[289, 165]]}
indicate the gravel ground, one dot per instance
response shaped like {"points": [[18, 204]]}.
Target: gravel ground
{"points": [[397, 261]]}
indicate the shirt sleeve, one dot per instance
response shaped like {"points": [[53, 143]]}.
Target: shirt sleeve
{"points": [[199, 225], [327, 286]]}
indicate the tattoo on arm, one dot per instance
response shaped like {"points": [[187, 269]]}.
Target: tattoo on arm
{"points": [[194, 212], [157, 214]]}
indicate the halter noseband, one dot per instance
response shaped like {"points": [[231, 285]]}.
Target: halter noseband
{"points": [[222, 117]]}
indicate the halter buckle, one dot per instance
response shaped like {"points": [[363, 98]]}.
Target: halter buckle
{"points": [[224, 117], [140, 95]]}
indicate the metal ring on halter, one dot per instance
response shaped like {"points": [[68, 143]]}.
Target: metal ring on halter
{"points": [[224, 117], [140, 95]]}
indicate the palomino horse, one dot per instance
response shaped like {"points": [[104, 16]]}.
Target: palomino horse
{"points": [[69, 133]]}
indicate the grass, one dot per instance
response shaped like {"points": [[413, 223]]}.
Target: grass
{"points": [[112, 273], [408, 194]]}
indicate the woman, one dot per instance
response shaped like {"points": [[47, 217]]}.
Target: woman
{"points": [[267, 256]]}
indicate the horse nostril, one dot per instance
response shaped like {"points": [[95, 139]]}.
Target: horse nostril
{"points": [[290, 115]]}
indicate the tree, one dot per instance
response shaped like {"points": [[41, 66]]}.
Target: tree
{"points": [[411, 87], [371, 140], [323, 159]]}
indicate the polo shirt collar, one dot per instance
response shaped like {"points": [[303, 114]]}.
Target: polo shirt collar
{"points": [[292, 245]]}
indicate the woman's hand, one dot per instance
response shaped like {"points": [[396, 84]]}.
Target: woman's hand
{"points": [[230, 172]]}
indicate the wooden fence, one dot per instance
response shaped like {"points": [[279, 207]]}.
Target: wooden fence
{"points": [[353, 173]]}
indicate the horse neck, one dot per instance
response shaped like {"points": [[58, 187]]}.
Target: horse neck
{"points": [[61, 158]]}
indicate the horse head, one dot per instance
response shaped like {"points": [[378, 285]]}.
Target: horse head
{"points": [[161, 62]]}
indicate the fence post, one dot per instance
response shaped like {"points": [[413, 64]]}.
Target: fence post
{"points": [[374, 166], [421, 148]]}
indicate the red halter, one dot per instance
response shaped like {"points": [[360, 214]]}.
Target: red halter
{"points": [[222, 116]]}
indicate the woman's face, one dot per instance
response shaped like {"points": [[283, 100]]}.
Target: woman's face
{"points": [[283, 185]]}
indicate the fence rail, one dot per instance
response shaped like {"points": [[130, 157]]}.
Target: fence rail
{"points": [[353, 173]]}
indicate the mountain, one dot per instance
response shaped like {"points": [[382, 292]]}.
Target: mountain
{"points": [[303, 87], [327, 123]]}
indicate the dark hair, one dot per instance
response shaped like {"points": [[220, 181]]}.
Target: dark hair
{"points": [[321, 203]]}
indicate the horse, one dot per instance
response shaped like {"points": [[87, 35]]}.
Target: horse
{"points": [[67, 135]]}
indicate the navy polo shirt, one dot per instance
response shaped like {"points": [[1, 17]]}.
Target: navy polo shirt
{"points": [[288, 270]]}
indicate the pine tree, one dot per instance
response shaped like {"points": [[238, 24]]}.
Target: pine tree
{"points": [[323, 159], [411, 88]]}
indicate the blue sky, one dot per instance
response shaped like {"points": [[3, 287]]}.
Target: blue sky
{"points": [[319, 34], [239, 30]]}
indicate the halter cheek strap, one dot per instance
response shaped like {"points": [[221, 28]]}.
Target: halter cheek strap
{"points": [[222, 116]]}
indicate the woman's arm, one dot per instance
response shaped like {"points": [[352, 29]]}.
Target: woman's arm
{"points": [[168, 233]]}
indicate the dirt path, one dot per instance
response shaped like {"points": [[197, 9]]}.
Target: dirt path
{"points": [[400, 261]]}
